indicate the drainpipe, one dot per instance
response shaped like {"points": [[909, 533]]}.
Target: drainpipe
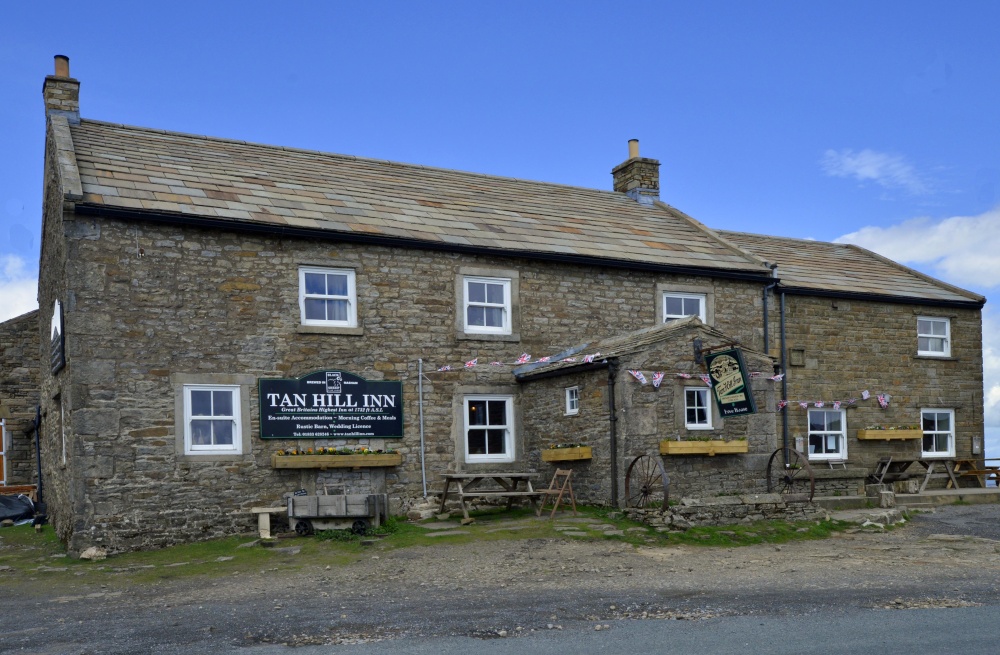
{"points": [[420, 404], [774, 276], [613, 436], [784, 381]]}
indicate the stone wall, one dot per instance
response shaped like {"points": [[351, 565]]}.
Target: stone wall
{"points": [[728, 510], [19, 395], [843, 347]]}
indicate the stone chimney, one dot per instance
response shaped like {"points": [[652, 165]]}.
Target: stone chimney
{"points": [[638, 177], [62, 92]]}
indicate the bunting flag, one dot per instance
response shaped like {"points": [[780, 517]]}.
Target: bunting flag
{"points": [[568, 360], [819, 403], [638, 376], [851, 401], [756, 374], [524, 358], [589, 359], [657, 379], [445, 368], [686, 376], [836, 404], [883, 400], [471, 362], [865, 395], [777, 378], [544, 359], [496, 363], [706, 379], [782, 404], [804, 405]]}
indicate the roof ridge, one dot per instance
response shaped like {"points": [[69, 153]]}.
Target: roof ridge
{"points": [[336, 155]]}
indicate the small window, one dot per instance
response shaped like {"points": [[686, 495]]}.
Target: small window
{"points": [[697, 411], [939, 432], [933, 336], [572, 401], [827, 434], [487, 305], [489, 429], [327, 297], [680, 305], [211, 419]]}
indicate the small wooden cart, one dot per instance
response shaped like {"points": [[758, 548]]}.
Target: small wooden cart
{"points": [[354, 512]]}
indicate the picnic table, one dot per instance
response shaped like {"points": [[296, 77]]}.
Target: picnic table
{"points": [[898, 469], [507, 485], [980, 468]]}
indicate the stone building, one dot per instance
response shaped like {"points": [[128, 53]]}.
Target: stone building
{"points": [[18, 399], [198, 277]]}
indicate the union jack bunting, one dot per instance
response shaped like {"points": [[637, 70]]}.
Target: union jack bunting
{"points": [[590, 358], [686, 376], [568, 359], [445, 368], [638, 376], [524, 358], [496, 363], [851, 401], [657, 379], [883, 400], [706, 379], [782, 404], [756, 374], [836, 404], [471, 362], [804, 405], [544, 359], [820, 403], [777, 378], [865, 395]]}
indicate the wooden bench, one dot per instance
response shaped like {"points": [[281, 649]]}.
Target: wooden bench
{"points": [[982, 471], [466, 486], [264, 519], [29, 490]]}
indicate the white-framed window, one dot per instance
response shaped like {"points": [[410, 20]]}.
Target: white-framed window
{"points": [[933, 336], [212, 422], [939, 432], [697, 411], [327, 297], [827, 434], [489, 428], [487, 305], [680, 305], [572, 401]]}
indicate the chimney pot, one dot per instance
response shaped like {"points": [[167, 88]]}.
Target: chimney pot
{"points": [[62, 66], [633, 148], [638, 177]]}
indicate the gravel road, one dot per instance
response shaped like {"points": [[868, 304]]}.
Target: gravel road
{"points": [[496, 589]]}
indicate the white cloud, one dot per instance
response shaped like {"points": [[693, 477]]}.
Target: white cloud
{"points": [[889, 171], [18, 289], [961, 249]]}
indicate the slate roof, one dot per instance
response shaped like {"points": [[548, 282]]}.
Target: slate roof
{"points": [[131, 168], [805, 264]]}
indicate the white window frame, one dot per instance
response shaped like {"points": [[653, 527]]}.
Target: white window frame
{"points": [[236, 418], [705, 403], [950, 452], [841, 453], [701, 297], [946, 352], [466, 303], [508, 454], [351, 297], [572, 401]]}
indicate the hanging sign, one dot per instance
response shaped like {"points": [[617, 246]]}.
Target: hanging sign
{"points": [[330, 405], [730, 382]]}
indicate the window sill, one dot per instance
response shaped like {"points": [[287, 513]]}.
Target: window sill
{"points": [[475, 336], [329, 329], [939, 358], [209, 458]]}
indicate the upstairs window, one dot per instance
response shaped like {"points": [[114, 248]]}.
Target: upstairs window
{"points": [[827, 434], [680, 305], [211, 419], [933, 336], [939, 432], [697, 411], [572, 401], [489, 428], [327, 297], [487, 305]]}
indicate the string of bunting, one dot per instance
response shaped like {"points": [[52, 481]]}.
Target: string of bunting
{"points": [[882, 398]]}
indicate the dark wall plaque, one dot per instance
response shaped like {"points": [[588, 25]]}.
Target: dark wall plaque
{"points": [[730, 383], [330, 405]]}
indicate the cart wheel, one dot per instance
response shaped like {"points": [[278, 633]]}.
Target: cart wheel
{"points": [[303, 528], [790, 476], [360, 526], [646, 483]]}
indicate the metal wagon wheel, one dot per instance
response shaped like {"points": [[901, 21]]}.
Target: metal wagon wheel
{"points": [[646, 483], [788, 472]]}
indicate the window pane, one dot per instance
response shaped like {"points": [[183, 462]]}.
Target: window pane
{"points": [[938, 328], [928, 443], [815, 444], [336, 284], [934, 344], [692, 415], [201, 403], [675, 306], [201, 433], [816, 423], [477, 292], [927, 419], [477, 442], [498, 412], [692, 306], [494, 294], [493, 316], [477, 412], [336, 310], [316, 283], [315, 309], [223, 433], [496, 442], [222, 403], [944, 421], [833, 421], [923, 327], [477, 316], [831, 443]]}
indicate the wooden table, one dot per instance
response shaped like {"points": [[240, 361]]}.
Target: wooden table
{"points": [[467, 485], [979, 467], [897, 469]]}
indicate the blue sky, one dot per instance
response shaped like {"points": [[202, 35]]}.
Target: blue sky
{"points": [[870, 122]]}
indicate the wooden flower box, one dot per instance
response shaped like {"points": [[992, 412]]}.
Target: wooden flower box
{"points": [[335, 461], [888, 435], [710, 448], [567, 454]]}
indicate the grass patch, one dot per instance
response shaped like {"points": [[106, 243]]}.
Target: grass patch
{"points": [[761, 532]]}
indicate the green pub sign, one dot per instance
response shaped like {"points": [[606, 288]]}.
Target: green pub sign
{"points": [[730, 383]]}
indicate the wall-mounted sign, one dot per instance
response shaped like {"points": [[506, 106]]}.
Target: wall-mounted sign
{"points": [[730, 383], [330, 405], [57, 343]]}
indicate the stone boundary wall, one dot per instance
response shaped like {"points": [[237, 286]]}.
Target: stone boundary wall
{"points": [[728, 510]]}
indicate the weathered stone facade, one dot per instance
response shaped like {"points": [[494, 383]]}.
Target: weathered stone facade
{"points": [[19, 396]]}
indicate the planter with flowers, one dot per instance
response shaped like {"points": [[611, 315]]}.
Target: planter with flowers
{"points": [[567, 452], [710, 447], [324, 458]]}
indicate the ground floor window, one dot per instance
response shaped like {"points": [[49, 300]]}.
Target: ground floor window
{"points": [[827, 434], [212, 419], [572, 401], [697, 411], [489, 428], [939, 432]]}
